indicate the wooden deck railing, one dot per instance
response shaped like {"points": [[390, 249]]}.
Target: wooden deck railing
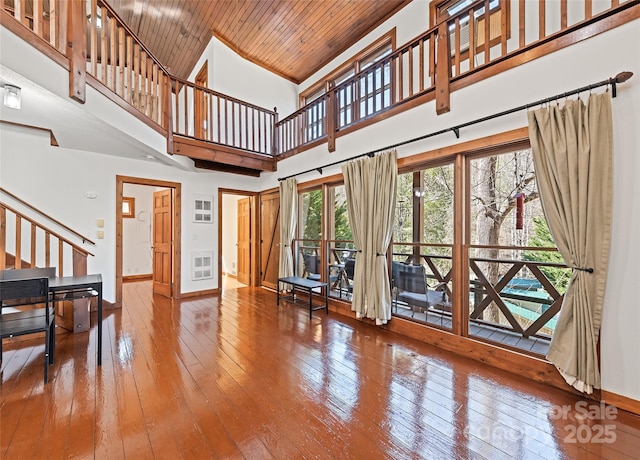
{"points": [[425, 68], [208, 115]]}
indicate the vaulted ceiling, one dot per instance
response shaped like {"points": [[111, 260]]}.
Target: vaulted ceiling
{"points": [[292, 38]]}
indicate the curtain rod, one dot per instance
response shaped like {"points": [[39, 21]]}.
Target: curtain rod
{"points": [[620, 78]]}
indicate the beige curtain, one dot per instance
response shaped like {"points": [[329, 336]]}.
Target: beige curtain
{"points": [[370, 185], [288, 220], [573, 156]]}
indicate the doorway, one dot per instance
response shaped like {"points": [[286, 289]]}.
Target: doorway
{"points": [[163, 221], [236, 238]]}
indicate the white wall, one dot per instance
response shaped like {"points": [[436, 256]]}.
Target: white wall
{"points": [[230, 233], [137, 236], [234, 76], [55, 179], [586, 62]]}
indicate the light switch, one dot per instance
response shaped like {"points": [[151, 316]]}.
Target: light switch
{"points": [[100, 223], [100, 234]]}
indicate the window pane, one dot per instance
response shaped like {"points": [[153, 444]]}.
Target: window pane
{"points": [[310, 215], [438, 205], [506, 218]]}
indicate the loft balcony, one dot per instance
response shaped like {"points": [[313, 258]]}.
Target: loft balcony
{"points": [[222, 133]]}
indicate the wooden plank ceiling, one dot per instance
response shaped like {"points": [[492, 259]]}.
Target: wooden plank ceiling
{"points": [[292, 38]]}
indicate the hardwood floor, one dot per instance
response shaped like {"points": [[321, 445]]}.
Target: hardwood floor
{"points": [[237, 377]]}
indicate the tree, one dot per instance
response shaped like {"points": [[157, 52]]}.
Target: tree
{"points": [[497, 181]]}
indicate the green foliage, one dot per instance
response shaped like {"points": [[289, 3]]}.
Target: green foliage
{"points": [[542, 239], [312, 215]]}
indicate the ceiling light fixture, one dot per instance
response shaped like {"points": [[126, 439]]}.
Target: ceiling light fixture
{"points": [[12, 96]]}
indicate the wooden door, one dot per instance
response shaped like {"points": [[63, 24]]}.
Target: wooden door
{"points": [[162, 243], [269, 239], [244, 240], [201, 103]]}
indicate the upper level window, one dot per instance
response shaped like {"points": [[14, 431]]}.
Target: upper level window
{"points": [[443, 9], [366, 96]]}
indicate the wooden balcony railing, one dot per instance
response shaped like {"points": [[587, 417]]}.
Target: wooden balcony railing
{"points": [[46, 19], [201, 113], [121, 62], [450, 55], [457, 51]]}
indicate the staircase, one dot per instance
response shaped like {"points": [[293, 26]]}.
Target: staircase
{"points": [[25, 242]]}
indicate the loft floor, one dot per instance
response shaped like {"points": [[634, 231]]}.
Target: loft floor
{"points": [[234, 376]]}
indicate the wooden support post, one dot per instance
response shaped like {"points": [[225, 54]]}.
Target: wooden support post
{"points": [[330, 118], [77, 49], [443, 71]]}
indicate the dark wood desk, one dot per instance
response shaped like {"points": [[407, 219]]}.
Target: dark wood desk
{"points": [[79, 287]]}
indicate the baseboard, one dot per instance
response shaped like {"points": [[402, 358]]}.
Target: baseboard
{"points": [[186, 295], [230, 275], [133, 278], [621, 402]]}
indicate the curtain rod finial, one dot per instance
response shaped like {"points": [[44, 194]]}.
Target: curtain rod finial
{"points": [[623, 76]]}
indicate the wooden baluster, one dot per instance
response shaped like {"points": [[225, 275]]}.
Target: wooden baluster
{"points": [[261, 146], [253, 130], [186, 109], [274, 134], [233, 123], [218, 117], [563, 14], [246, 127], [521, 22], [410, 73], [37, 17], [60, 257], [487, 32], [149, 86], [113, 58], [3, 238], [210, 120], [121, 62], [142, 94], [129, 70], [421, 64], [18, 261], [456, 47], [588, 9], [156, 93], [400, 77], [53, 23], [104, 51], [18, 12], [33, 246], [135, 99], [47, 249], [226, 121], [169, 113], [94, 38], [542, 16], [472, 41], [64, 25], [503, 26]]}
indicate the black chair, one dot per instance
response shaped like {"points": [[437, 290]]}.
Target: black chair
{"points": [[25, 309], [349, 271], [312, 266], [410, 285]]}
